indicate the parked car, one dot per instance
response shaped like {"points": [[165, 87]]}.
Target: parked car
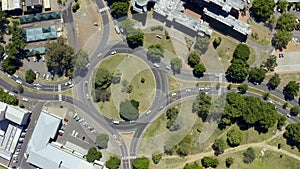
{"points": [[113, 52], [25, 99], [148, 112]]}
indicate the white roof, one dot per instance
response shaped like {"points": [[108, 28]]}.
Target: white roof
{"points": [[15, 114], [11, 4], [47, 4]]}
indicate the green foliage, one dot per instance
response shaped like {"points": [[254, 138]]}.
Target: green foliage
{"points": [[274, 81], [6, 98], [102, 95], [103, 79], [80, 62], [291, 90], [209, 162], [129, 110], [102, 140], [21, 105], [257, 74], [243, 88], [30, 76], [158, 27], [249, 155], [263, 9], [287, 22], [217, 41], [185, 145], [113, 162], [127, 25], [120, 8], [201, 44], [143, 80], [282, 4], [292, 134], [167, 34], [75, 7], [271, 22], [172, 114], [93, 154], [234, 137], [198, 70], [176, 65], [20, 88], [155, 53], [219, 146], [9, 65], [141, 163], [156, 157], [193, 59], [3, 23], [59, 56], [266, 96], [135, 38], [237, 71], [241, 52], [170, 149], [195, 165], [229, 161], [270, 63], [295, 111], [281, 121], [201, 105], [199, 129], [281, 38]]}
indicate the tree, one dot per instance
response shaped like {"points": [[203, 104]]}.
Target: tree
{"points": [[59, 56], [102, 140], [257, 75], [266, 96], [282, 4], [229, 161], [219, 146], [237, 71], [295, 111], [20, 88], [113, 162], [201, 44], [141, 163], [274, 81], [156, 157], [30, 76], [176, 65], [291, 90], [80, 62], [102, 95], [155, 53], [201, 105], [198, 70], [281, 38], [75, 7], [263, 9], [103, 79], [241, 52], [292, 134], [3, 24], [270, 63], [93, 154], [135, 38], [170, 149], [120, 8], [195, 165], [9, 65], [209, 162], [172, 114], [249, 155], [281, 121], [271, 22], [234, 137], [242, 88], [287, 22], [129, 110], [185, 145], [193, 59], [217, 41]]}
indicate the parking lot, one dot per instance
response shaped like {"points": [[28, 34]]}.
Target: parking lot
{"points": [[289, 63]]}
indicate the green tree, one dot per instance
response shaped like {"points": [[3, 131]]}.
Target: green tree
{"points": [[172, 114], [185, 145], [9, 65], [199, 70], [292, 134], [237, 71], [249, 155], [281, 38], [274, 81], [234, 137], [93, 154], [257, 74], [103, 79], [129, 110], [135, 38], [266, 96], [219, 146], [281, 121], [193, 59], [263, 9], [241, 52], [156, 157], [291, 90], [120, 8], [271, 22], [30, 76], [229, 161], [155, 53], [113, 162], [102, 95], [102, 140], [201, 44], [141, 163], [176, 65], [201, 105], [20, 88], [217, 41], [209, 162], [195, 165], [75, 7], [242, 88], [270, 63], [80, 62], [282, 4], [3, 24], [295, 111], [127, 25], [287, 22]]}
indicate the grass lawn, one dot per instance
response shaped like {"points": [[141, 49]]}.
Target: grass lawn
{"points": [[151, 39], [175, 84], [284, 145], [253, 136], [252, 56], [142, 92], [1, 167]]}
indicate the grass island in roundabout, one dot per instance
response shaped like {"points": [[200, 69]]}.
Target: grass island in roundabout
{"points": [[119, 79]]}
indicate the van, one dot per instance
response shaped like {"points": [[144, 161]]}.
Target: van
{"points": [[156, 65], [116, 122]]}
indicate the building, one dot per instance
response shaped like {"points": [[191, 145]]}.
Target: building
{"points": [[39, 34], [44, 153], [9, 5], [289, 1], [14, 114], [47, 5], [140, 5]]}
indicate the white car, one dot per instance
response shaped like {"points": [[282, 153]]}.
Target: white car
{"points": [[156, 65], [201, 88], [19, 81], [25, 99], [16, 76], [288, 115], [168, 67], [173, 94], [113, 52], [187, 90], [148, 112]]}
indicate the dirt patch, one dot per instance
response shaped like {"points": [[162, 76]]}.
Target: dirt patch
{"points": [[192, 13]]}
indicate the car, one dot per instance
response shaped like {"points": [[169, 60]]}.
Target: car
{"points": [[43, 59], [114, 136], [131, 121], [66, 119], [161, 107], [173, 94], [188, 90], [86, 83], [11, 94], [77, 118], [288, 115], [23, 134], [16, 153], [96, 24], [156, 65], [15, 91], [75, 115], [34, 59], [16, 76], [148, 112], [255, 83], [18, 81], [201, 88], [47, 77], [99, 55], [158, 36], [21, 140], [60, 134], [116, 122], [15, 161], [44, 75], [25, 99], [15, 158], [87, 96], [113, 52], [168, 67]]}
